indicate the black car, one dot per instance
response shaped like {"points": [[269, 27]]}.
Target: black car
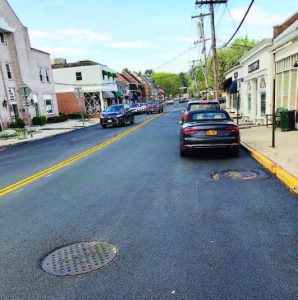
{"points": [[199, 105], [118, 114], [209, 129]]}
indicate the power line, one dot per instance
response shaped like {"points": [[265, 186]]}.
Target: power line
{"points": [[244, 17], [174, 58]]}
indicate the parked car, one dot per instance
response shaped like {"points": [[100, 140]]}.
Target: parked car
{"points": [[154, 106], [199, 105], [137, 108], [144, 107], [118, 114], [170, 102], [204, 129]]}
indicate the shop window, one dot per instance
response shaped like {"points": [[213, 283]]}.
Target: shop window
{"points": [[293, 89], [278, 90], [263, 104], [249, 103], [285, 89]]}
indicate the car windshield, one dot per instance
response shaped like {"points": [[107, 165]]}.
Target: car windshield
{"points": [[206, 116], [115, 108], [207, 106]]}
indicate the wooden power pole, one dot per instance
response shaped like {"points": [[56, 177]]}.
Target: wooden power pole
{"points": [[214, 50]]}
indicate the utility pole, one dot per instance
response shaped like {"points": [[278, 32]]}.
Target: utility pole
{"points": [[195, 76], [201, 33], [215, 60]]}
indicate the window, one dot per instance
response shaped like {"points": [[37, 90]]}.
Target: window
{"points": [[49, 104], [249, 103], [79, 76], [3, 38], [41, 75], [8, 70], [263, 104], [47, 75]]}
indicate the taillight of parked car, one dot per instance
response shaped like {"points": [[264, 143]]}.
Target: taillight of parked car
{"points": [[232, 129], [190, 130], [184, 116]]}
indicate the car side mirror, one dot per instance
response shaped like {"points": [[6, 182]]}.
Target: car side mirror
{"points": [[182, 111], [180, 122]]}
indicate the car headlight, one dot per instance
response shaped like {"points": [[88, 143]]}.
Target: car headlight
{"points": [[119, 116]]}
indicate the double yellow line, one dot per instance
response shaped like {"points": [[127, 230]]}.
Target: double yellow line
{"points": [[71, 160]]}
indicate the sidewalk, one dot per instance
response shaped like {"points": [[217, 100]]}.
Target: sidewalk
{"points": [[40, 132], [282, 160]]}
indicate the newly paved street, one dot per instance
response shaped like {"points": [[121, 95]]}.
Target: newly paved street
{"points": [[180, 233]]}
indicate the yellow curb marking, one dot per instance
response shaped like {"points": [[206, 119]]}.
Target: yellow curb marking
{"points": [[287, 178], [71, 160]]}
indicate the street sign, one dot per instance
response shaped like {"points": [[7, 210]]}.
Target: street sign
{"points": [[24, 91]]}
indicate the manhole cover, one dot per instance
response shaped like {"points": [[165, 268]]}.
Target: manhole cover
{"points": [[79, 258], [239, 174]]}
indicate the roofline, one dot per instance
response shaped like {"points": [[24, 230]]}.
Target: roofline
{"points": [[34, 49], [285, 21]]}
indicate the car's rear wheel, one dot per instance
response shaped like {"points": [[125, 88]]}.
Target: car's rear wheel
{"points": [[103, 125], [183, 153], [235, 151]]}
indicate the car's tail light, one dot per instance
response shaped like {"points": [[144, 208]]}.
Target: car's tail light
{"points": [[190, 130], [232, 129], [184, 117]]}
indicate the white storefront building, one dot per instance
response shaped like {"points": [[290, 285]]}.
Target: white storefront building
{"points": [[256, 91]]}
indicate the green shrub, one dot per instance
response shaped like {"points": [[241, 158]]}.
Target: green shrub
{"points": [[76, 116], [39, 120], [20, 123], [12, 124], [56, 119]]}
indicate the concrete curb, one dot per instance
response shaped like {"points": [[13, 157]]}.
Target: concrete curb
{"points": [[288, 179], [44, 137]]}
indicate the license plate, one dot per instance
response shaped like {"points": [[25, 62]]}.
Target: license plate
{"points": [[211, 132], [110, 121]]}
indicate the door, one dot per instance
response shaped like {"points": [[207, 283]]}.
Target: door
{"points": [[15, 110]]}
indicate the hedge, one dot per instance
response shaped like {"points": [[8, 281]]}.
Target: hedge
{"points": [[57, 119], [39, 120]]}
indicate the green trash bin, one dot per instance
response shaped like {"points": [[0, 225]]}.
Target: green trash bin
{"points": [[287, 120]]}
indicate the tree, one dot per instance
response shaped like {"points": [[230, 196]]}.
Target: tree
{"points": [[149, 72], [169, 82]]}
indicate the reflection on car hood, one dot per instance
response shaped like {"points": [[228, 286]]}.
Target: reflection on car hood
{"points": [[111, 114]]}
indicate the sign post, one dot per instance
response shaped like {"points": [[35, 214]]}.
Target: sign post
{"points": [[78, 93], [25, 91]]}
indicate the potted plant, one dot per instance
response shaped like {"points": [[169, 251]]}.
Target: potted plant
{"points": [[20, 129]]}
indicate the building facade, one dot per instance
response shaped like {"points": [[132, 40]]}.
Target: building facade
{"points": [[22, 65], [97, 84], [285, 53]]}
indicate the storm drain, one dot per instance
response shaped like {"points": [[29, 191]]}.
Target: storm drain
{"points": [[239, 174], [79, 258]]}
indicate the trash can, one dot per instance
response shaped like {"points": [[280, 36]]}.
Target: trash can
{"points": [[287, 120]]}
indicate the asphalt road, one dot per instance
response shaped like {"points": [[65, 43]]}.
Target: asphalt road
{"points": [[180, 233]]}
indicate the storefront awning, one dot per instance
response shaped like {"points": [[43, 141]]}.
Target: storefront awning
{"points": [[226, 84], [233, 89], [108, 94]]}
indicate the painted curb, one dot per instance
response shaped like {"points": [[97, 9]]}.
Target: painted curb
{"points": [[288, 179]]}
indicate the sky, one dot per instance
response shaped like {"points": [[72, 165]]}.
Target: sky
{"points": [[140, 35]]}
